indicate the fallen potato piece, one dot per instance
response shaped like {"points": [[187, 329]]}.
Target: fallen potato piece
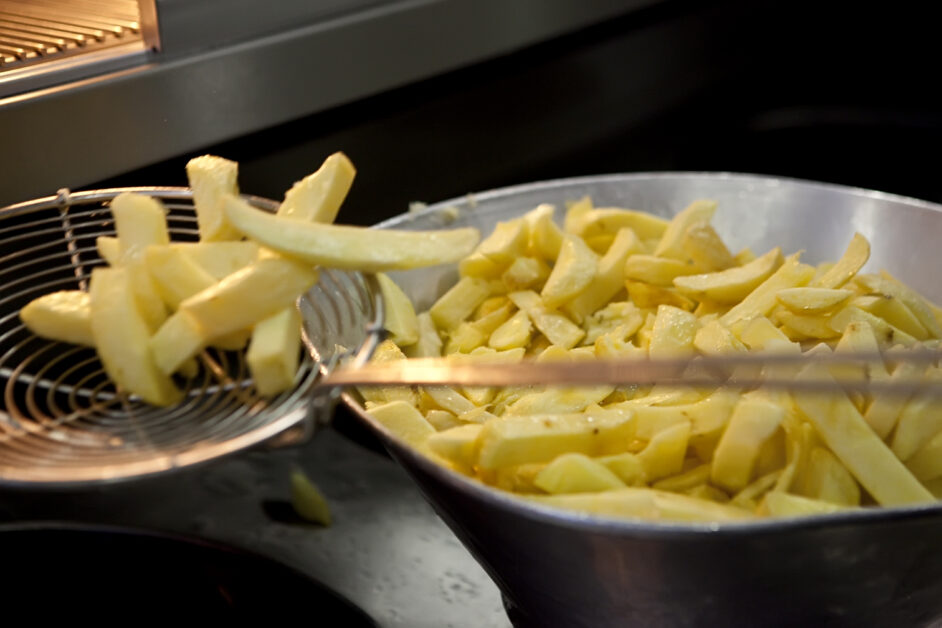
{"points": [[307, 500], [350, 248], [318, 196], [122, 338], [64, 316]]}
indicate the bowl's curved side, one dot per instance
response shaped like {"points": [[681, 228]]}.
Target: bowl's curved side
{"points": [[874, 568], [554, 572]]}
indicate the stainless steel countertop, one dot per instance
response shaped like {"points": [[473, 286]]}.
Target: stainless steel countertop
{"points": [[386, 550]]}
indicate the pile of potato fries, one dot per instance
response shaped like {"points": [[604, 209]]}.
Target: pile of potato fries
{"points": [[158, 303], [617, 283]]}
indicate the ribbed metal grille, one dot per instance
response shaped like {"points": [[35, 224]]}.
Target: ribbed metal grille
{"points": [[35, 31]]}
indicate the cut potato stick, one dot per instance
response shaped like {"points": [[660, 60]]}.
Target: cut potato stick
{"points": [[65, 316], [318, 196], [350, 248], [858, 448], [121, 338]]}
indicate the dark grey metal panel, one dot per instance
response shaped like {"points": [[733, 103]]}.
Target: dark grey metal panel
{"points": [[97, 128]]}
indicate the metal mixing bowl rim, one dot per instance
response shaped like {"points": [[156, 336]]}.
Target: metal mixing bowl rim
{"points": [[639, 528]]}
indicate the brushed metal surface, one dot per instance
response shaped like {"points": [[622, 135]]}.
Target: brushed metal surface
{"points": [[877, 567], [175, 102]]}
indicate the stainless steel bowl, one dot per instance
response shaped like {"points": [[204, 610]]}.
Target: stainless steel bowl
{"points": [[882, 567]]}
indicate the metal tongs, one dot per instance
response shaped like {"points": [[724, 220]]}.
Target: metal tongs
{"points": [[847, 371]]}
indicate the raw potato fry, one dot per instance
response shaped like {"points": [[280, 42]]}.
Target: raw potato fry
{"points": [[673, 333], [65, 316], [894, 312], [546, 238], [702, 244], [671, 244], [664, 454], [459, 302], [506, 243], [856, 255], [778, 504], [109, 249], [385, 352], [400, 320], [576, 473], [732, 285], [212, 178], [575, 268], [274, 351], [557, 328], [883, 412], [826, 479], [886, 332], [219, 259], [140, 221], [627, 466], [525, 272], [176, 276], [608, 280], [177, 341], [658, 271], [234, 304], [514, 440], [753, 421], [810, 301], [888, 285], [858, 448], [318, 196], [307, 500], [121, 338], [514, 332], [760, 301], [403, 420], [609, 220], [349, 248], [919, 421], [457, 444]]}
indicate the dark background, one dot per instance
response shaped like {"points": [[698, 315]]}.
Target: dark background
{"points": [[827, 91]]}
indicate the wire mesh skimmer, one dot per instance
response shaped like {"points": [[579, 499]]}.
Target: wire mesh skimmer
{"points": [[63, 422]]}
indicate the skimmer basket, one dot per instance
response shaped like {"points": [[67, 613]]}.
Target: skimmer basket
{"points": [[63, 422]]}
